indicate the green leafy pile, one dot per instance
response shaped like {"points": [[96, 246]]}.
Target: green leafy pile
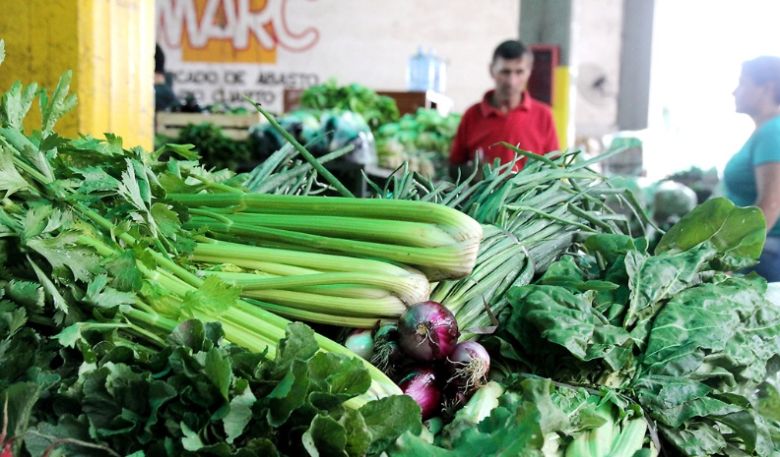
{"points": [[688, 343], [196, 395], [423, 140], [376, 109], [95, 273], [535, 417], [215, 149]]}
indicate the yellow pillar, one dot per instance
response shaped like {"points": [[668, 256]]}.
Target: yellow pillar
{"points": [[561, 105], [109, 45]]}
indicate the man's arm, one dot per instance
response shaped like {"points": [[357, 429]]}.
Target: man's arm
{"points": [[459, 154], [551, 135]]}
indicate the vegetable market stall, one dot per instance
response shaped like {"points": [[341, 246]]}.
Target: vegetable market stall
{"points": [[146, 302]]}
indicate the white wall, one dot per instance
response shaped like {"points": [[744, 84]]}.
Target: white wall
{"points": [[361, 41], [597, 44]]}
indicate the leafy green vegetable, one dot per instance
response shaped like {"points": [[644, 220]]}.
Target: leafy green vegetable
{"points": [[736, 233], [688, 343], [376, 109], [198, 395]]}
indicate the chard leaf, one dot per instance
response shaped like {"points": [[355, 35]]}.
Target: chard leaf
{"points": [[737, 234], [653, 279], [707, 352]]}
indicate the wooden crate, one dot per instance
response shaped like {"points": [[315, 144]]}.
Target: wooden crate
{"points": [[235, 126]]}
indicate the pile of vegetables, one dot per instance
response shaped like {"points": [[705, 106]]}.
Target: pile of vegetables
{"points": [[376, 109], [216, 150], [673, 354], [422, 140], [104, 252], [322, 131], [144, 306]]}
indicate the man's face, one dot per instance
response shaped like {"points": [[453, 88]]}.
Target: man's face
{"points": [[511, 75]]}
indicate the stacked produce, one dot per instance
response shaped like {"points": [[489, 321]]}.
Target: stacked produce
{"points": [[422, 140], [322, 131], [376, 109], [143, 300], [670, 352], [216, 150], [95, 255]]}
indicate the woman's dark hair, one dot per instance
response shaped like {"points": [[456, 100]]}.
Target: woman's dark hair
{"points": [[510, 49], [764, 70], [159, 59]]}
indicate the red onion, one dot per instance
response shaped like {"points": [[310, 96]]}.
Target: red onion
{"points": [[470, 364], [421, 385], [428, 331]]}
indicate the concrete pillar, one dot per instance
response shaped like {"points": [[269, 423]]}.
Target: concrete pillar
{"points": [[635, 59], [109, 45]]}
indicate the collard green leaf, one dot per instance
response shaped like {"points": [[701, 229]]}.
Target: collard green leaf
{"points": [[737, 234]]}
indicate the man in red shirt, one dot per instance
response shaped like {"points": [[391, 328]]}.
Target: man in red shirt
{"points": [[506, 113]]}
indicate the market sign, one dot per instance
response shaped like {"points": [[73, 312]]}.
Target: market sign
{"points": [[223, 50]]}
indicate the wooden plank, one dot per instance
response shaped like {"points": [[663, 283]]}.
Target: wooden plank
{"points": [[235, 126]]}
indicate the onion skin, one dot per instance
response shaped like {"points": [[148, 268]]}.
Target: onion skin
{"points": [[428, 331], [361, 342], [422, 385], [470, 364]]}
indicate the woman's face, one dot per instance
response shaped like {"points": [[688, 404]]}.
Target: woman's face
{"points": [[748, 96]]}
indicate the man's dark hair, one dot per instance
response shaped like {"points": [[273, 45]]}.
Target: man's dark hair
{"points": [[510, 49], [763, 70], [159, 60]]}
